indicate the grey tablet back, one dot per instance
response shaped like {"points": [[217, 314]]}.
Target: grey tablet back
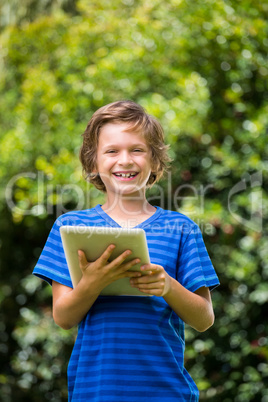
{"points": [[94, 240]]}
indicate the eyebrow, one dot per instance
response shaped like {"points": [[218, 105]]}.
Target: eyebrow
{"points": [[116, 145]]}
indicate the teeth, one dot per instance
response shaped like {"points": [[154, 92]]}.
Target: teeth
{"points": [[125, 174]]}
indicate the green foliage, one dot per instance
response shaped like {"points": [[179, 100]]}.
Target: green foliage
{"points": [[201, 69]]}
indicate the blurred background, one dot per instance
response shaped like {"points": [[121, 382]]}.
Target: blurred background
{"points": [[201, 68]]}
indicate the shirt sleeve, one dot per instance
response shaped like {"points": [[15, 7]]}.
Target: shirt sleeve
{"points": [[195, 268], [52, 264]]}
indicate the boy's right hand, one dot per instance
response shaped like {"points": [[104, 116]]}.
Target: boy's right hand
{"points": [[100, 273]]}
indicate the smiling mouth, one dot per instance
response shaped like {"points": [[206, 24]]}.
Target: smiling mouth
{"points": [[125, 176]]}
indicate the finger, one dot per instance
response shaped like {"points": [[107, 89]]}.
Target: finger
{"points": [[153, 292], [132, 274], [150, 267], [125, 269], [130, 264], [129, 274], [118, 261], [106, 254], [148, 279], [149, 287], [153, 285], [82, 258]]}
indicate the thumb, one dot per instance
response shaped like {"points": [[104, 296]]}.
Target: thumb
{"points": [[82, 259]]}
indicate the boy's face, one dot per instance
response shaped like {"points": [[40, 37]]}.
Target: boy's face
{"points": [[120, 152]]}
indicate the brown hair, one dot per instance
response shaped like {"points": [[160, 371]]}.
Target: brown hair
{"points": [[139, 121]]}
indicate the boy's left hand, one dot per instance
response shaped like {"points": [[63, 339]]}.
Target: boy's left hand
{"points": [[155, 282]]}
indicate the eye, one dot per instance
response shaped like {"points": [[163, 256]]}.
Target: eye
{"points": [[110, 152], [137, 150]]}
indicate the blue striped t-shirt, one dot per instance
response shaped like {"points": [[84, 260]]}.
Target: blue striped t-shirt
{"points": [[131, 348]]}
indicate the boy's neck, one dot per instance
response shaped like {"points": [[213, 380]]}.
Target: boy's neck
{"points": [[127, 207]]}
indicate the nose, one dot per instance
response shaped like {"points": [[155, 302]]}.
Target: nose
{"points": [[125, 158]]}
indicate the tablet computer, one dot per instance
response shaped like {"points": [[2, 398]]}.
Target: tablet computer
{"points": [[93, 240]]}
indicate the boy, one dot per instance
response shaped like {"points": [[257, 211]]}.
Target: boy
{"points": [[130, 348]]}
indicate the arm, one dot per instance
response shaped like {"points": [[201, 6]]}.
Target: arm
{"points": [[71, 305], [194, 308]]}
